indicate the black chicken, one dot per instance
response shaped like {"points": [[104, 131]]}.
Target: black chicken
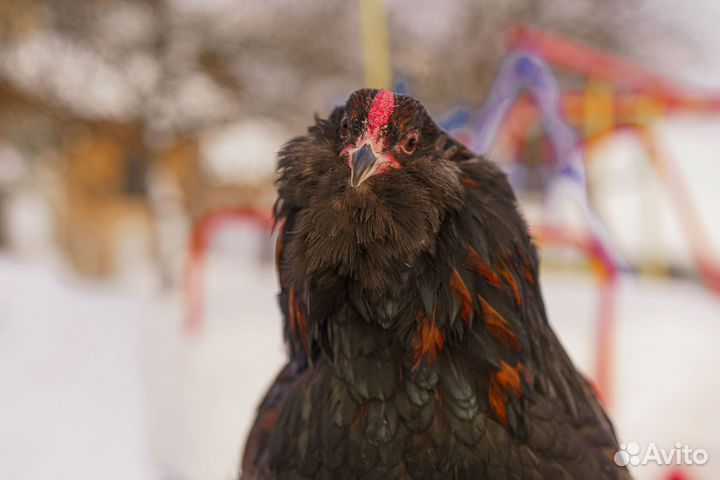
{"points": [[418, 341]]}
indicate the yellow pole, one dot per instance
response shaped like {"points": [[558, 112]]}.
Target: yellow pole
{"points": [[375, 44]]}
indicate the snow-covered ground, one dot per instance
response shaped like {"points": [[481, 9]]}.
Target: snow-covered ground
{"points": [[102, 382], [72, 392]]}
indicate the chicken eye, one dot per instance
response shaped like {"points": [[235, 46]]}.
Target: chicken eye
{"points": [[345, 126], [410, 142]]}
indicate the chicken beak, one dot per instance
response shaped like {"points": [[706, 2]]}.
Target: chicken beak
{"points": [[363, 161]]}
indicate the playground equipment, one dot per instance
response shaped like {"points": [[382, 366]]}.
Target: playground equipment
{"points": [[620, 96]]}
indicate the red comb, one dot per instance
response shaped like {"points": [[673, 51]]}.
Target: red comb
{"points": [[381, 110]]}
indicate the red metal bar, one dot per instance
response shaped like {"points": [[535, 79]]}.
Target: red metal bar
{"points": [[201, 236], [591, 61]]}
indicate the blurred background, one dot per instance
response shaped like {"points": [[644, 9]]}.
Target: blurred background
{"points": [[138, 324]]}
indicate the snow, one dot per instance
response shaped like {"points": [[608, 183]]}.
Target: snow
{"points": [[72, 396], [49, 64], [243, 152]]}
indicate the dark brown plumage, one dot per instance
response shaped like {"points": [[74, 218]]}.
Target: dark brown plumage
{"points": [[418, 342]]}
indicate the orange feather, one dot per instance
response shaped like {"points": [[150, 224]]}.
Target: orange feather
{"points": [[463, 295], [428, 341], [476, 264], [470, 183], [498, 327], [510, 279], [504, 381]]}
